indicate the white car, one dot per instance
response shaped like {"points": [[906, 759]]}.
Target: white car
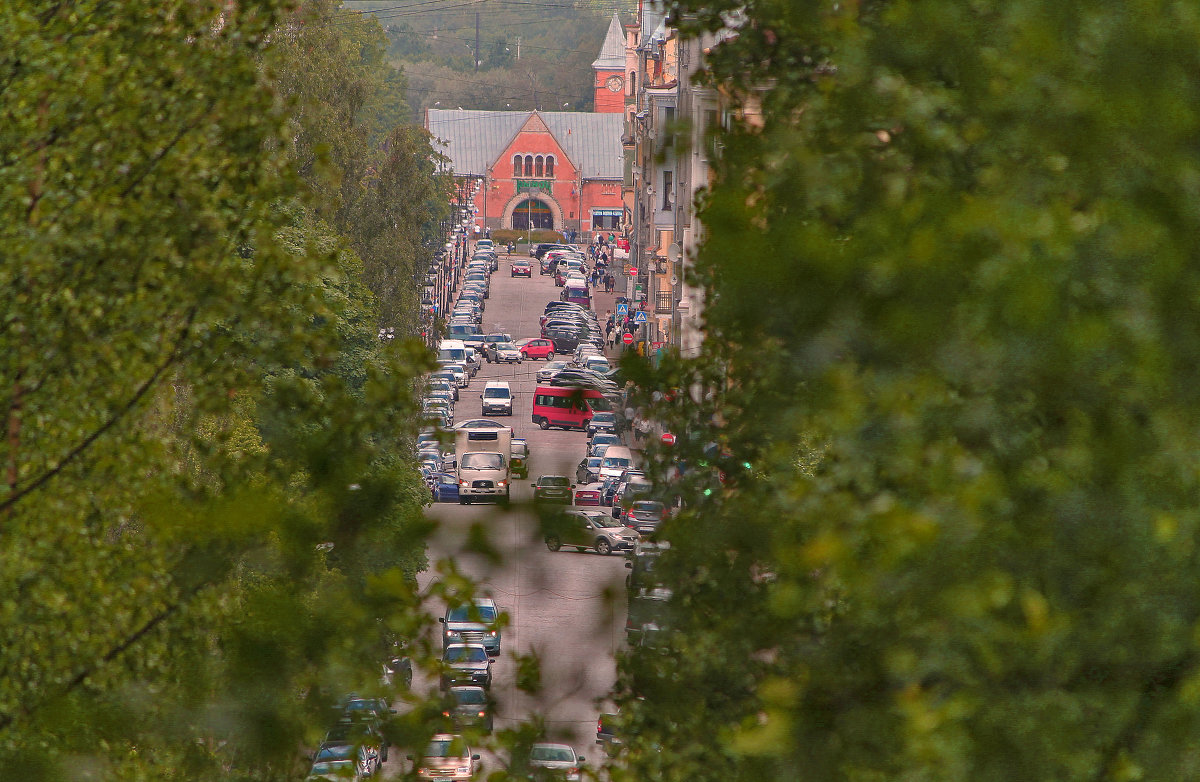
{"points": [[461, 376]]}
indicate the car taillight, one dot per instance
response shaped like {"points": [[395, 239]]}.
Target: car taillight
{"points": [[483, 714]]}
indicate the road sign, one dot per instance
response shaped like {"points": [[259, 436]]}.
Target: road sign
{"points": [[631, 271], [628, 338], [623, 308], [668, 438], [640, 317]]}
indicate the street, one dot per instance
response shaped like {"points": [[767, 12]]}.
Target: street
{"points": [[566, 607]]}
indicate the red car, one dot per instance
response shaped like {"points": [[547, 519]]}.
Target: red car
{"points": [[537, 348], [588, 495], [521, 269]]}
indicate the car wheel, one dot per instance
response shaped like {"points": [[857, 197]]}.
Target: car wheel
{"points": [[463, 501], [545, 423], [603, 547], [553, 543]]}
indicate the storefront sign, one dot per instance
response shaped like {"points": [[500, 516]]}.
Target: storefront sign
{"points": [[526, 185]]}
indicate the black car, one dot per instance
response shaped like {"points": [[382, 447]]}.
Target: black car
{"points": [[363, 733], [469, 706], [641, 566], [645, 516], [601, 421], [539, 250], [553, 488], [608, 734], [564, 341]]}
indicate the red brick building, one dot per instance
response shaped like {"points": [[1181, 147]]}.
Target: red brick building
{"points": [[559, 170]]}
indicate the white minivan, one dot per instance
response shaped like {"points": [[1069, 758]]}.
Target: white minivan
{"points": [[616, 460], [452, 350], [497, 398]]}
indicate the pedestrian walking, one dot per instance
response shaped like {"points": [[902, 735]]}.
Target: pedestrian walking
{"points": [[609, 283]]}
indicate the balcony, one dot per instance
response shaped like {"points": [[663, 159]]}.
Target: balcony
{"points": [[662, 302]]}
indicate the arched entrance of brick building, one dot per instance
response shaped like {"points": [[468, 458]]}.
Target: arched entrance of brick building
{"points": [[532, 213]]}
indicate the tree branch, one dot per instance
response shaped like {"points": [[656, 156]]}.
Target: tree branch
{"points": [[85, 673], [1160, 683], [176, 353]]}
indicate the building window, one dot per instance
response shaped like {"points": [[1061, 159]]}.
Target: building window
{"points": [[550, 167], [668, 129], [606, 219], [633, 82], [537, 166], [516, 165], [668, 191], [529, 165]]}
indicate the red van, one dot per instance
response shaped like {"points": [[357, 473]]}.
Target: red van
{"points": [[566, 406]]}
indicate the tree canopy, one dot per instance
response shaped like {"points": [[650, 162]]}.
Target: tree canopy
{"points": [[940, 516], [206, 511]]}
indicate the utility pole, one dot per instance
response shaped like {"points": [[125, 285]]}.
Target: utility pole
{"points": [[477, 42]]}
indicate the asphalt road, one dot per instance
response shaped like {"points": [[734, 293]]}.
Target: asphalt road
{"points": [[566, 607]]}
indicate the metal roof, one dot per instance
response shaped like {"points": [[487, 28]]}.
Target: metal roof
{"points": [[474, 139], [612, 52]]}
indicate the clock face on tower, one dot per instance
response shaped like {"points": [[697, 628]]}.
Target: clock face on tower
{"points": [[614, 83]]}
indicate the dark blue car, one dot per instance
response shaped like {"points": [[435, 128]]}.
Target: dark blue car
{"points": [[444, 486]]}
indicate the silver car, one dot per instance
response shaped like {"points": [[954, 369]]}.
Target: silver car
{"points": [[558, 758]]}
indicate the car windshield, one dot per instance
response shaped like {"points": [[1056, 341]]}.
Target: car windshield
{"points": [[470, 697], [468, 614], [505, 346], [482, 461], [606, 417], [604, 520], [495, 393], [466, 654], [332, 767], [446, 748], [520, 449], [648, 506], [614, 461], [599, 404], [553, 754], [554, 480], [605, 438]]}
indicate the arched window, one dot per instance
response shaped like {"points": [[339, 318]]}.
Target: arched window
{"points": [[550, 166], [529, 165], [537, 166], [516, 165]]}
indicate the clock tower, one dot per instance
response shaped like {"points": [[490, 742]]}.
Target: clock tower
{"points": [[609, 71]]}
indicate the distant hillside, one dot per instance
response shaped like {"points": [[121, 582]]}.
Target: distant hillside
{"points": [[532, 53]]}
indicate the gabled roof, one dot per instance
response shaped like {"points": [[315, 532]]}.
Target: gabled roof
{"points": [[612, 53], [474, 139]]}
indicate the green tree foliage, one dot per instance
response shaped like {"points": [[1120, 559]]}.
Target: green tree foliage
{"points": [[204, 510], [530, 56], [956, 539], [376, 182]]}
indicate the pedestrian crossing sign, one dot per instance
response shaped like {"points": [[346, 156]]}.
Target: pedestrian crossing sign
{"points": [[640, 317], [622, 309]]}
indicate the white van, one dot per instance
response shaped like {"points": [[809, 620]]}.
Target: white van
{"points": [[452, 350], [616, 460], [497, 398]]}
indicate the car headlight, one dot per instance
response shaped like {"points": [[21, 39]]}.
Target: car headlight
{"points": [[492, 633], [451, 634], [501, 484], [464, 483]]}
